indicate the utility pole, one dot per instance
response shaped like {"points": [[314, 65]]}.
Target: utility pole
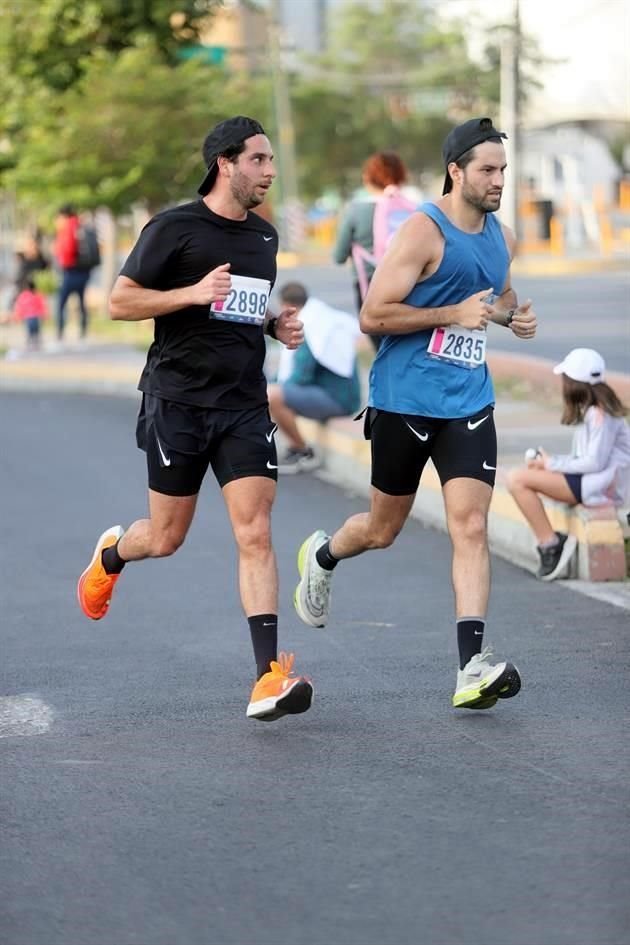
{"points": [[510, 118], [290, 211]]}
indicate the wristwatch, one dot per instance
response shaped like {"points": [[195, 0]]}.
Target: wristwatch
{"points": [[509, 317], [270, 329]]}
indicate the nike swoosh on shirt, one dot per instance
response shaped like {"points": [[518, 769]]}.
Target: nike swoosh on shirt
{"points": [[473, 425], [421, 436], [485, 466], [270, 465], [269, 436], [267, 238], [166, 461]]}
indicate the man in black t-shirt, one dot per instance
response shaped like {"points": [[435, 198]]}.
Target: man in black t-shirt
{"points": [[203, 271]]}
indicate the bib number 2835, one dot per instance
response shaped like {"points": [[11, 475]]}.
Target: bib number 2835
{"points": [[246, 302], [459, 345]]}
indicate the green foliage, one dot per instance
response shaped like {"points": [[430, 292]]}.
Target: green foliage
{"points": [[46, 281], [128, 131], [49, 41], [100, 110], [388, 80]]}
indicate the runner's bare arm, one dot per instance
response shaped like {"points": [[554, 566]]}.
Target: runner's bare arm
{"points": [[129, 301], [415, 246]]}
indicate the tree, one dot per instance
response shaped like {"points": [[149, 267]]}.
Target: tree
{"points": [[51, 41], [128, 131], [385, 82]]}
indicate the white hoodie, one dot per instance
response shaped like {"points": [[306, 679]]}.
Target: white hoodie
{"points": [[601, 453], [330, 334]]}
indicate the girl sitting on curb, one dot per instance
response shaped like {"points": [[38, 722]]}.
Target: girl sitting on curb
{"points": [[596, 473]]}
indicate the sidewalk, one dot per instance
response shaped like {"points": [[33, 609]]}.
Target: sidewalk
{"points": [[522, 418]]}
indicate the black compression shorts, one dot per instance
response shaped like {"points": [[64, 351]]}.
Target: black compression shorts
{"points": [[402, 444], [181, 441]]}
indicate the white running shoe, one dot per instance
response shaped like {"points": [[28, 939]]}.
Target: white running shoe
{"points": [[480, 684], [312, 595]]}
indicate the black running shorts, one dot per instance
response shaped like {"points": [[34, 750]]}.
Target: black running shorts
{"points": [[181, 441], [402, 444]]}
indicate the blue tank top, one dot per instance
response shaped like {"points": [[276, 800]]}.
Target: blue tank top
{"points": [[404, 377]]}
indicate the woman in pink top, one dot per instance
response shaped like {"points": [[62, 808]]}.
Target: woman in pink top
{"points": [[597, 471]]}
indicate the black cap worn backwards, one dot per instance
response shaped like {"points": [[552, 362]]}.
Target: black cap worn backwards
{"points": [[463, 138], [227, 134]]}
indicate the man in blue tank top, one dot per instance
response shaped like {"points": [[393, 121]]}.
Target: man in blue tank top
{"points": [[445, 276]]}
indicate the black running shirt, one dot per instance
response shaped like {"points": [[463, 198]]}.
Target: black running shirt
{"points": [[196, 359]]}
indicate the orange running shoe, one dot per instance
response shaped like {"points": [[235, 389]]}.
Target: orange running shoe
{"points": [[279, 692], [96, 586]]}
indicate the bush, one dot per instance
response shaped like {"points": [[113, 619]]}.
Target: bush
{"points": [[46, 281]]}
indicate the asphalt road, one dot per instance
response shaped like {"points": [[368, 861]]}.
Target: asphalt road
{"points": [[138, 804], [590, 310]]}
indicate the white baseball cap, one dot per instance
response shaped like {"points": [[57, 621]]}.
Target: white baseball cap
{"points": [[583, 364]]}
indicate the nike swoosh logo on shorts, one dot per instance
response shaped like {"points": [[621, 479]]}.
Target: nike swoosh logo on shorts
{"points": [[473, 425], [270, 435], [485, 466], [270, 465], [421, 436], [267, 238], [166, 461]]}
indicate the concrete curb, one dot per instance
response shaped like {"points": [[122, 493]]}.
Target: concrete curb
{"points": [[601, 551], [600, 537], [538, 372]]}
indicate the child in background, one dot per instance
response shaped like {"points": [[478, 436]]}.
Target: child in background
{"points": [[31, 308], [596, 473]]}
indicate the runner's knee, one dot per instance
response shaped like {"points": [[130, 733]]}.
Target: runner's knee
{"points": [[382, 536], [166, 542], [254, 536], [469, 526]]}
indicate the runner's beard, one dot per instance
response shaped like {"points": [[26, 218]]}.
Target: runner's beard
{"points": [[245, 193], [482, 204]]}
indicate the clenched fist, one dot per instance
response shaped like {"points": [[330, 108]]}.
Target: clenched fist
{"points": [[475, 311], [214, 287], [289, 328], [524, 321]]}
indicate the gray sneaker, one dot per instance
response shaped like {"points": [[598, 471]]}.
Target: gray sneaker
{"points": [[312, 595], [554, 561], [296, 461], [480, 683]]}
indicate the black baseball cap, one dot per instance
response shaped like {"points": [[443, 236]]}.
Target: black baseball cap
{"points": [[462, 139], [227, 134]]}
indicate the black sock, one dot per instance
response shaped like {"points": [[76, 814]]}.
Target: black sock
{"points": [[469, 638], [325, 558], [112, 562], [264, 631]]}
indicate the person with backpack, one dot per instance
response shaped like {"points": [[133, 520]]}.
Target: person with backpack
{"points": [[445, 277], [369, 223], [77, 253]]}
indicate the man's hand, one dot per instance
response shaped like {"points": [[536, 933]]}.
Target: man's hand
{"points": [[214, 287], [289, 328], [474, 312], [524, 321]]}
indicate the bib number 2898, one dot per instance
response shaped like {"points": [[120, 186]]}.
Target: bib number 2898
{"points": [[246, 302]]}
